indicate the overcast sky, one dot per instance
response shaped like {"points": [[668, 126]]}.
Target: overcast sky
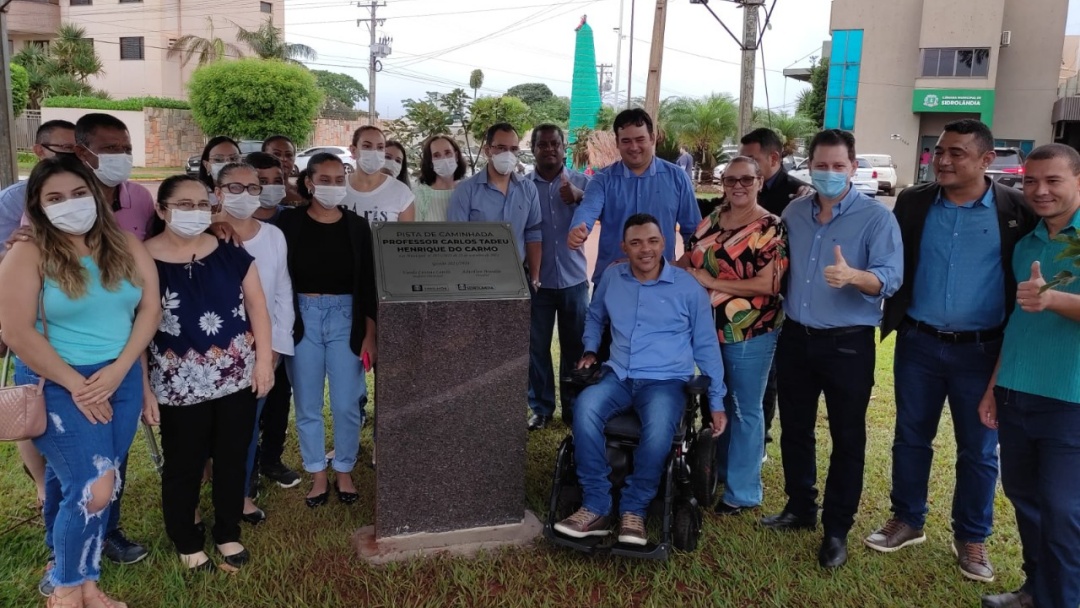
{"points": [[437, 43]]}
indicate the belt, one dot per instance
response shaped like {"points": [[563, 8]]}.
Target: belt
{"points": [[957, 337], [830, 331]]}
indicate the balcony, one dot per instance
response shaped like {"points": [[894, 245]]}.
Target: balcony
{"points": [[33, 17]]}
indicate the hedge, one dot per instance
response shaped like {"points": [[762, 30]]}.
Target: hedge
{"points": [[132, 104]]}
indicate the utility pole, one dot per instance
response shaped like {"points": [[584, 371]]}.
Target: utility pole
{"points": [[618, 55], [603, 70], [378, 50], [656, 60], [9, 167], [749, 53], [630, 66]]}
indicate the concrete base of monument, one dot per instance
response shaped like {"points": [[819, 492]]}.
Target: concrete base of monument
{"points": [[455, 542]]}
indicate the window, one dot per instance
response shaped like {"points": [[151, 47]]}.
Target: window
{"points": [[843, 88], [81, 2], [266, 7], [131, 48], [126, 1], [955, 63]]}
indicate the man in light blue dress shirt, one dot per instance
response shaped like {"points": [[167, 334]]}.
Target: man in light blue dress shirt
{"points": [[564, 280], [846, 258]]}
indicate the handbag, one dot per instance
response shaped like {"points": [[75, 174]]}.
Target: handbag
{"points": [[22, 408]]}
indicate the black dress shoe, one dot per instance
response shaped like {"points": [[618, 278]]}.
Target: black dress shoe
{"points": [[1013, 599], [787, 520], [254, 518], [722, 508], [317, 500], [347, 498], [237, 560], [833, 552], [537, 422], [119, 550]]}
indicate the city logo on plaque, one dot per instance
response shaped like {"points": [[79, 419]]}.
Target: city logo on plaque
{"points": [[930, 101]]}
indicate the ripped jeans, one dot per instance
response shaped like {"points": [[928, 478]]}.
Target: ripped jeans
{"points": [[79, 453]]}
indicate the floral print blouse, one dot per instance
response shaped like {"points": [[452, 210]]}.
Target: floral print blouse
{"points": [[204, 348], [734, 255]]}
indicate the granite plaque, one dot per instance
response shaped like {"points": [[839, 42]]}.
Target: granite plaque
{"points": [[447, 261]]}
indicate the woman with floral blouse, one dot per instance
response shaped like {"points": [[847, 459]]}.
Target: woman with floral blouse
{"points": [[739, 253]]}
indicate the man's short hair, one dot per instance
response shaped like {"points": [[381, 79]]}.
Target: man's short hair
{"points": [[634, 117], [1052, 151], [766, 139], [46, 129], [262, 160], [834, 137], [544, 128], [969, 126], [269, 140], [90, 123], [499, 127], [639, 219]]}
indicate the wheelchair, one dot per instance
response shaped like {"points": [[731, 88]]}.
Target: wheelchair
{"points": [[687, 484]]}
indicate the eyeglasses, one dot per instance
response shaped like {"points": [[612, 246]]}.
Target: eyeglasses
{"points": [[745, 181], [237, 188], [187, 205], [60, 148], [235, 158], [500, 149]]}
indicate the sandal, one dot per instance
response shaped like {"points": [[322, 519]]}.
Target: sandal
{"points": [[100, 600], [72, 600]]}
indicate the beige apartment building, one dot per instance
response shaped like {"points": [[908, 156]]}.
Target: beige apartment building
{"points": [[133, 37], [900, 69]]}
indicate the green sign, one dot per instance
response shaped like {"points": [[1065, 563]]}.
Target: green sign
{"points": [[957, 101]]}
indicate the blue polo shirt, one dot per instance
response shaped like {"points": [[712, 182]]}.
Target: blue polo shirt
{"points": [[659, 328], [869, 239], [562, 267], [476, 200], [959, 283], [1040, 354], [615, 193]]}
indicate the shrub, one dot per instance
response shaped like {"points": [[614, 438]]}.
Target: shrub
{"points": [[131, 104], [20, 88]]}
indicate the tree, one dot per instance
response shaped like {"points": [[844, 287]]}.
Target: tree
{"points": [[702, 124], [554, 110], [476, 80], [20, 88], [487, 111], [73, 54], [605, 119], [812, 101], [342, 91], [207, 50], [254, 98], [268, 42], [63, 68], [790, 127], [37, 63], [532, 93], [427, 116]]}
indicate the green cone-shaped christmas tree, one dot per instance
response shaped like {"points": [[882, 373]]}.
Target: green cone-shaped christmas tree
{"points": [[585, 90]]}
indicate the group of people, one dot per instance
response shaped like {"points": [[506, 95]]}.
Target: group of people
{"points": [[207, 310]]}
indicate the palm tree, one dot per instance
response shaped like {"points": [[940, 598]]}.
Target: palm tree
{"points": [[38, 64], [208, 50], [268, 42], [73, 54], [702, 124], [790, 127]]}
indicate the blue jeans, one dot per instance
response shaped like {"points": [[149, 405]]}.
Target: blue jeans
{"points": [[926, 372], [1040, 457], [78, 454], [739, 449], [324, 355], [571, 304], [659, 404], [54, 494]]}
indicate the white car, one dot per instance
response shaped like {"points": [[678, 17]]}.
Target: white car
{"points": [[788, 163], [341, 152], [886, 172], [865, 179]]}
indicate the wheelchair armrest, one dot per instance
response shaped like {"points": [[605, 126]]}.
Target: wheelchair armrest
{"points": [[698, 385], [583, 377]]}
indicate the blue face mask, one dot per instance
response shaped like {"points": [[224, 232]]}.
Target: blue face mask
{"points": [[829, 184]]}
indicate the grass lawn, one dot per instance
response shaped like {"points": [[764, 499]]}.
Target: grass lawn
{"points": [[302, 557]]}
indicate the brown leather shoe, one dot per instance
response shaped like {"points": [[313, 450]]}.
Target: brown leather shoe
{"points": [[893, 536], [583, 523], [632, 530], [973, 560]]}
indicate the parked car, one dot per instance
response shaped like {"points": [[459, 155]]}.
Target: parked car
{"points": [[1008, 167], [247, 146], [341, 152], [865, 179], [886, 172]]}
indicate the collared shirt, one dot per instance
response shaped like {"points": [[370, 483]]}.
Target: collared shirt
{"points": [[476, 200], [12, 205], [686, 163], [659, 329], [769, 182], [959, 282], [615, 193], [869, 239], [1040, 354], [133, 208], [562, 267]]}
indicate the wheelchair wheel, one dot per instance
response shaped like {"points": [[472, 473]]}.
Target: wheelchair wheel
{"points": [[702, 462], [686, 527]]}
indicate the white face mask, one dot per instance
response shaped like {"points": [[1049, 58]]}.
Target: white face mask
{"points": [[370, 161], [241, 206], [114, 169], [74, 216], [189, 224], [393, 166], [215, 170], [272, 194], [329, 196], [504, 162], [445, 167]]}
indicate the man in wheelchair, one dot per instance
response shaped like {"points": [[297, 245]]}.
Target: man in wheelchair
{"points": [[661, 325]]}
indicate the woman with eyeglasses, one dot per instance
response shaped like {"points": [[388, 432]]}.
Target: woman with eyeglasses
{"points": [[240, 191], [210, 361], [397, 163], [217, 153], [441, 167], [330, 261], [739, 253], [370, 192], [283, 149], [83, 328]]}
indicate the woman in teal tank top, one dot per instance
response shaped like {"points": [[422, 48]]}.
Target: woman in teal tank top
{"points": [[99, 289]]}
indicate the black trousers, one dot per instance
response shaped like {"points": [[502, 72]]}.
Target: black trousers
{"points": [[842, 367], [275, 422], [768, 401], [220, 429]]}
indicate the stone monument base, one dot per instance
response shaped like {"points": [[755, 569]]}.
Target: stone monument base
{"points": [[455, 542]]}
